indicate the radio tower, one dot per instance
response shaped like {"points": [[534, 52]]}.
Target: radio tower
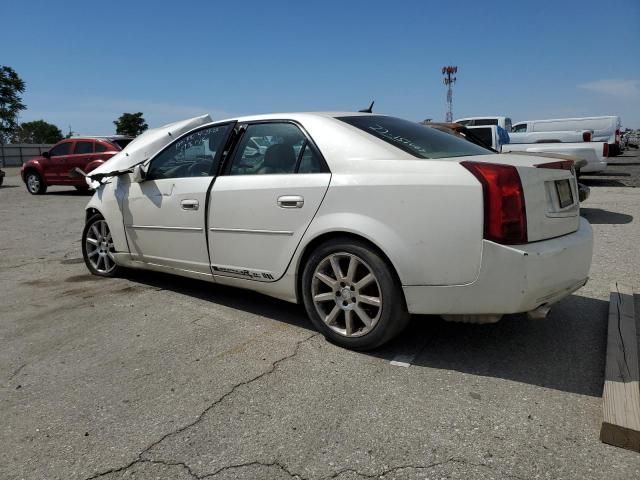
{"points": [[449, 80]]}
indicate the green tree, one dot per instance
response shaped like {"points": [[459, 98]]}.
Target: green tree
{"points": [[37, 131], [131, 124], [11, 86]]}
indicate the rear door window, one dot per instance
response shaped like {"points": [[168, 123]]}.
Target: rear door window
{"points": [[83, 147], [485, 121], [418, 140], [274, 148]]}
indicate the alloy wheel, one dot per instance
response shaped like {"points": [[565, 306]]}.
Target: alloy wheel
{"points": [[99, 247], [33, 183], [346, 294]]}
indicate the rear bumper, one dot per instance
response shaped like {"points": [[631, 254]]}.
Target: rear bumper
{"points": [[513, 279], [590, 167]]}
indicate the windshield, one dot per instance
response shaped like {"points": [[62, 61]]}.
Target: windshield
{"points": [[122, 142], [418, 140]]}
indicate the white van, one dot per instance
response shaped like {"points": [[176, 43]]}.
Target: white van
{"points": [[504, 122], [605, 129]]}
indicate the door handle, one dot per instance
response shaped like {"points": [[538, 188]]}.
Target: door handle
{"points": [[190, 204], [290, 201]]}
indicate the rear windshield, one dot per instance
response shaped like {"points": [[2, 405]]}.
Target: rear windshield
{"points": [[484, 134], [415, 139], [122, 142]]}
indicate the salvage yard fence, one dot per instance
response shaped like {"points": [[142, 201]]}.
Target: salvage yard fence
{"points": [[15, 154]]}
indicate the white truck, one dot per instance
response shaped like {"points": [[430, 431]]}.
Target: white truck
{"points": [[504, 122], [562, 136], [522, 135], [605, 128], [593, 153]]}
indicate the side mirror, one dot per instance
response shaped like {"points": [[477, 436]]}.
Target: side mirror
{"points": [[140, 173], [46, 154]]}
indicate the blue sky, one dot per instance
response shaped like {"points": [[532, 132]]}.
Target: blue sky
{"points": [[84, 65]]}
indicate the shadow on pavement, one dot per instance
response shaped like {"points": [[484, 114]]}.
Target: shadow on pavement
{"points": [[245, 300], [605, 174], [71, 193], [601, 182], [564, 352], [597, 216]]}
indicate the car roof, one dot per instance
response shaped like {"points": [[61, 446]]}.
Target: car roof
{"points": [[293, 116], [101, 137]]}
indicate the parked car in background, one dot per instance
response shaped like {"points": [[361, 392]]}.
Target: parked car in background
{"points": [[593, 153], [504, 122], [53, 167], [362, 218], [561, 136], [605, 128]]}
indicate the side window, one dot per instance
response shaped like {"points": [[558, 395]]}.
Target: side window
{"points": [[485, 121], [101, 147], [195, 155], [60, 149], [309, 163], [520, 127], [273, 148], [83, 147]]}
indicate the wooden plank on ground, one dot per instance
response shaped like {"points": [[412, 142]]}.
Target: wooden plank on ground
{"points": [[621, 396]]}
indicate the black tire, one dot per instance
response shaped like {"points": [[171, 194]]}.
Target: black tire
{"points": [[110, 269], [392, 317], [34, 183]]}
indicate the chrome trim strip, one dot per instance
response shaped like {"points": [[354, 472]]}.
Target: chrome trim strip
{"points": [[158, 227], [247, 230]]}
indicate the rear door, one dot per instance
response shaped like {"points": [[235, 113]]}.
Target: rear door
{"points": [[82, 154], [259, 210], [164, 215]]}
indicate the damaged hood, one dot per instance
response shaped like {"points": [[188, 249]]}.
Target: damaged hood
{"points": [[145, 146]]}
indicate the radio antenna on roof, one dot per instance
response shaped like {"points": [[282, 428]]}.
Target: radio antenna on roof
{"points": [[368, 110]]}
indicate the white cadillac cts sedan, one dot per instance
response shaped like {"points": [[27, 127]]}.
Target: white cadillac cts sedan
{"points": [[363, 218]]}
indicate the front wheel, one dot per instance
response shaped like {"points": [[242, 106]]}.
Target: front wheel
{"points": [[97, 248], [352, 295], [35, 183]]}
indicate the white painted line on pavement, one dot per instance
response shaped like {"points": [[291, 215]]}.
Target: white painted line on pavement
{"points": [[403, 359]]}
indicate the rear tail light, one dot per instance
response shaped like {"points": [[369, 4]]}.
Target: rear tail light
{"points": [[561, 165], [605, 150], [505, 217], [586, 136]]}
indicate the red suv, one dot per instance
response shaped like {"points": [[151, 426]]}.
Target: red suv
{"points": [[53, 167]]}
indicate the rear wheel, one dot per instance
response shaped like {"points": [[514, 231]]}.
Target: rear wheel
{"points": [[352, 296], [97, 248], [35, 183]]}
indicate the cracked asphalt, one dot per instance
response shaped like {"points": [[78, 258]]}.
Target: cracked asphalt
{"points": [[151, 376]]}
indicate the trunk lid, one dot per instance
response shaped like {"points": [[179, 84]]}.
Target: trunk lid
{"points": [[550, 194]]}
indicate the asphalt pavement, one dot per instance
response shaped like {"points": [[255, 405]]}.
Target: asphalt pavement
{"points": [[154, 376]]}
